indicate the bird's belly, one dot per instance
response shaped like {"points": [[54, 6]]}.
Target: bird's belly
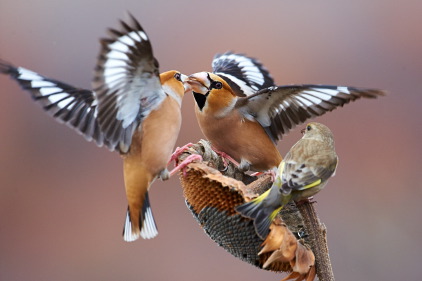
{"points": [[244, 139], [153, 144]]}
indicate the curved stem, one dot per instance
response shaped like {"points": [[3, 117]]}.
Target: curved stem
{"points": [[318, 241]]}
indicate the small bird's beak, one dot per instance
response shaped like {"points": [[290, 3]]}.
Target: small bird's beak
{"points": [[186, 85], [303, 131], [196, 82]]}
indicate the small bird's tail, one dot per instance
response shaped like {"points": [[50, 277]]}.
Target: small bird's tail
{"points": [[262, 214], [148, 228]]}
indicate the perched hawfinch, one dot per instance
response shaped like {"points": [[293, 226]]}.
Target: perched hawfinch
{"points": [[243, 114]]}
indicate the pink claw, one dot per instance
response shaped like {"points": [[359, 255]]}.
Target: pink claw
{"points": [[269, 172], [185, 163], [178, 151], [225, 157]]}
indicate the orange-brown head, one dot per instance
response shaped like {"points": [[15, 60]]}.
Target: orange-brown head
{"points": [[174, 84], [212, 93]]}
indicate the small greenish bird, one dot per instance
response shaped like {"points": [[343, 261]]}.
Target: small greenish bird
{"points": [[303, 173]]}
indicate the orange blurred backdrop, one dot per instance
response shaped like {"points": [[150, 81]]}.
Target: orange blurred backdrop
{"points": [[62, 201]]}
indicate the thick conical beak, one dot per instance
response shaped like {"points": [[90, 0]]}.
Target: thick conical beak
{"points": [[186, 85], [197, 82]]}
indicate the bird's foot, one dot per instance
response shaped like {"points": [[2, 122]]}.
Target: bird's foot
{"points": [[178, 151], [164, 174], [185, 163], [271, 173], [309, 200], [225, 158], [244, 165]]}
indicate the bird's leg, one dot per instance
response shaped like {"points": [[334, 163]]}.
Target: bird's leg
{"points": [[224, 157], [244, 165], [164, 174], [271, 173], [177, 152], [185, 163], [309, 200]]}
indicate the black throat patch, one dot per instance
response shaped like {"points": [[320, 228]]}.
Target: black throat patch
{"points": [[200, 99]]}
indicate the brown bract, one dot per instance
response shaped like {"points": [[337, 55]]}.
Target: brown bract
{"points": [[212, 192]]}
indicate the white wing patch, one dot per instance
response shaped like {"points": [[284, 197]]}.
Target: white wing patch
{"points": [[304, 101], [48, 89], [250, 70], [281, 108], [311, 98], [40, 83], [117, 58], [245, 88], [117, 74], [26, 74], [343, 89]]}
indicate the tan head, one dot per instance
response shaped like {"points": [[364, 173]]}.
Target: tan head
{"points": [[212, 93], [318, 131], [173, 83]]}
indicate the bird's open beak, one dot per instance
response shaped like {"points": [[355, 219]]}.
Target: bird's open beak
{"points": [[196, 82], [186, 85]]}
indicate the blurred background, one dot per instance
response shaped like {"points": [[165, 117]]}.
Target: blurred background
{"points": [[62, 200]]}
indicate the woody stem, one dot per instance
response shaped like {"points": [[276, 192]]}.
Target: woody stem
{"points": [[318, 234]]}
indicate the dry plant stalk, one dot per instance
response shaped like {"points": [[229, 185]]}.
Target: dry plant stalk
{"points": [[212, 190], [318, 241]]}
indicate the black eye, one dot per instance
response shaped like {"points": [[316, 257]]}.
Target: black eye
{"points": [[308, 128], [216, 85], [178, 76]]}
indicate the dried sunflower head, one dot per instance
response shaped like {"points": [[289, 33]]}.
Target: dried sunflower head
{"points": [[212, 195]]}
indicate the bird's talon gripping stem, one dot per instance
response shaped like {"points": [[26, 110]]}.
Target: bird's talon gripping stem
{"points": [[269, 172], [185, 163], [177, 152], [224, 157]]}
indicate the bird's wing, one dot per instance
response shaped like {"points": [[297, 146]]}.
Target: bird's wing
{"points": [[245, 75], [307, 164], [297, 177], [279, 109], [75, 107], [127, 82]]}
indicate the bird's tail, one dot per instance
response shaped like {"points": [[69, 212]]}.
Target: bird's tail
{"points": [[262, 214], [146, 227]]}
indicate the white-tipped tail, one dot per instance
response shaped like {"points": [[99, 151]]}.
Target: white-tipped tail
{"points": [[149, 228], [146, 221], [128, 234]]}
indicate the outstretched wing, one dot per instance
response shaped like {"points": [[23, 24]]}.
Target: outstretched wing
{"points": [[127, 83], [73, 106], [279, 109], [245, 75]]}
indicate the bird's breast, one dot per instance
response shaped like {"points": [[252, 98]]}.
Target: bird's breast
{"points": [[154, 141], [240, 138]]}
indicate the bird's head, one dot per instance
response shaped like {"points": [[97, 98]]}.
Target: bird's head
{"points": [[318, 131], [174, 84], [211, 93]]}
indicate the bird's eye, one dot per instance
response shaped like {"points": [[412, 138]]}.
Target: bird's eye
{"points": [[178, 76], [308, 128], [216, 85]]}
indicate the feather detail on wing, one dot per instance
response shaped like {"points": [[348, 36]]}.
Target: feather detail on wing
{"points": [[245, 75], [127, 83], [279, 109], [75, 107], [308, 164]]}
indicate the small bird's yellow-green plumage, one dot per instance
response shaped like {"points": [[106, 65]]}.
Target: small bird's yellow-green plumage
{"points": [[303, 173]]}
